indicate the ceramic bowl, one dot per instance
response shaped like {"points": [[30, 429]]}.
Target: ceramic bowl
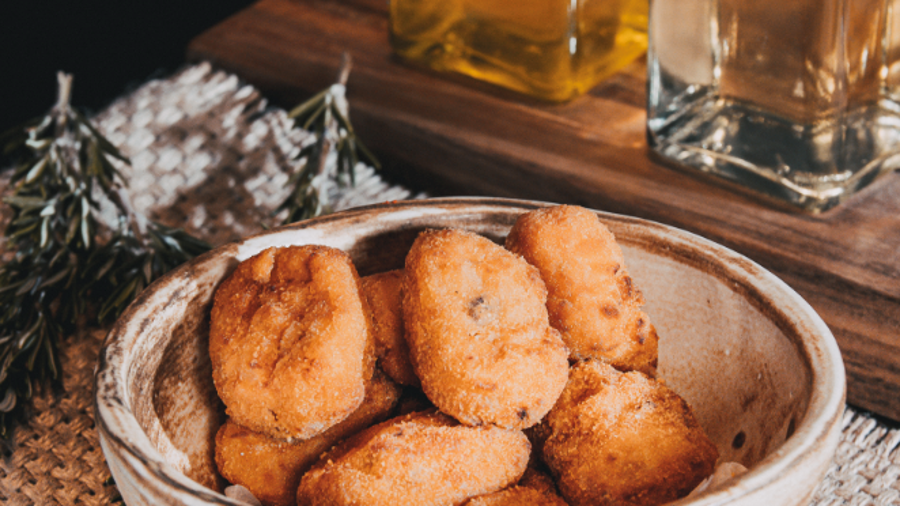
{"points": [[760, 369]]}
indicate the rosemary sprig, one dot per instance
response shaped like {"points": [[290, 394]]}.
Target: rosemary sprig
{"points": [[68, 267], [326, 116]]}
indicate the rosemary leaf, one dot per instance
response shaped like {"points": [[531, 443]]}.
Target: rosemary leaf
{"points": [[56, 278], [107, 146], [36, 170], [26, 287], [300, 110], [9, 400], [35, 344], [25, 202]]}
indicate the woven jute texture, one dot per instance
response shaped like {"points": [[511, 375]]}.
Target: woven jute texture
{"points": [[209, 155]]}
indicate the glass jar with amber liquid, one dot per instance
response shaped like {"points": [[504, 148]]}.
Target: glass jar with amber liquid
{"points": [[797, 100], [550, 49]]}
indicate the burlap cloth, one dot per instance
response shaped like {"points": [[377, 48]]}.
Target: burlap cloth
{"points": [[209, 155]]}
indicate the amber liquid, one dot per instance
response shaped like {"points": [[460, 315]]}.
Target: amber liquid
{"points": [[804, 60], [554, 50], [796, 99]]}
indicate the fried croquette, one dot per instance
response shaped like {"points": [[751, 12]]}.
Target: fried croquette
{"points": [[290, 341], [478, 332], [534, 489], [271, 468], [624, 439], [591, 298], [421, 458], [383, 294]]}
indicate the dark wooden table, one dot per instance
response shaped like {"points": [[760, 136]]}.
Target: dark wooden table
{"points": [[459, 137]]}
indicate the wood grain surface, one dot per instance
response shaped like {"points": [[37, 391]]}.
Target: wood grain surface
{"points": [[451, 135]]}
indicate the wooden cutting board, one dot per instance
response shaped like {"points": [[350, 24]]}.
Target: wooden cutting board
{"points": [[455, 136]]}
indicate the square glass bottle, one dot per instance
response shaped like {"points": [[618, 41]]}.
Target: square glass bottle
{"points": [[796, 99], [550, 49]]}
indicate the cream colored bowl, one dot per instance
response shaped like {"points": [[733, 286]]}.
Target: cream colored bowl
{"points": [[759, 367]]}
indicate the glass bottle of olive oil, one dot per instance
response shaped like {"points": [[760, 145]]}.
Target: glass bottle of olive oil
{"points": [[551, 49]]}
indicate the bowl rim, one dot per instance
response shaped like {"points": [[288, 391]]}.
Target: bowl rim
{"points": [[818, 346]]}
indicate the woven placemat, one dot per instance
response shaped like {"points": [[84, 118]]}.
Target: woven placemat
{"points": [[208, 154]]}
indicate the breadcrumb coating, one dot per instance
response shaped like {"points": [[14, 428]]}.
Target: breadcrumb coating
{"points": [[383, 294], [426, 459], [290, 341], [534, 489], [478, 331], [624, 439], [592, 300]]}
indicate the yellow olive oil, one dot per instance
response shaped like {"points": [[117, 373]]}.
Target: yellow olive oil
{"points": [[550, 49]]}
